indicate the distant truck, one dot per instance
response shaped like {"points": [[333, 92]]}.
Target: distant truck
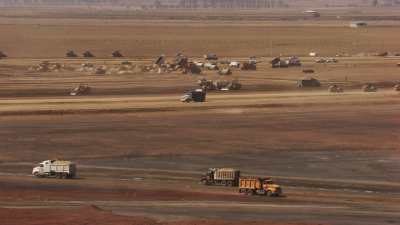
{"points": [[259, 186], [198, 95], [55, 168], [221, 176]]}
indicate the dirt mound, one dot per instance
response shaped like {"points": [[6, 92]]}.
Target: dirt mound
{"points": [[90, 215]]}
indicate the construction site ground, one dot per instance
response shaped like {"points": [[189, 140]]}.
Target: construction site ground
{"points": [[141, 152]]}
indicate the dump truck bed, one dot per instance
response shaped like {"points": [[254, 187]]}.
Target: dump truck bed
{"points": [[226, 174], [63, 167], [250, 183]]}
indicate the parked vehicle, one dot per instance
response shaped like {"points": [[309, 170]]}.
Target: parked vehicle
{"points": [[55, 168], [198, 95], [369, 88], [335, 88], [221, 176], [211, 56], [81, 89], [308, 82], [259, 186]]}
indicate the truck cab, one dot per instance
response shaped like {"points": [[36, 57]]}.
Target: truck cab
{"points": [[197, 95], [42, 168], [271, 188], [38, 170]]}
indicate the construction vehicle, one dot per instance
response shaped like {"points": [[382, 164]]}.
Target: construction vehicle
{"points": [[293, 61], [221, 176], [249, 66], [2, 55], [81, 89], [278, 63], [308, 82], [55, 168], [224, 71], [335, 88], [117, 54], [396, 87], [71, 54], [207, 85], [259, 186], [211, 66], [227, 85], [369, 88], [88, 54], [192, 69], [210, 85], [234, 64], [198, 95], [211, 56]]}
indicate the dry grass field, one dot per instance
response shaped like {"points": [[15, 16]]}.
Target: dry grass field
{"points": [[141, 152], [46, 38]]}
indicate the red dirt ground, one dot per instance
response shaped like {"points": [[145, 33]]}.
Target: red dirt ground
{"points": [[88, 215]]}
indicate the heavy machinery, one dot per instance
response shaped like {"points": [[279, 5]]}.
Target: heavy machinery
{"points": [[369, 88], [225, 71], [55, 168], [71, 54], [396, 87], [88, 54], [210, 85], [249, 66], [259, 186], [221, 176], [308, 82], [334, 88], [81, 89], [117, 54], [211, 56], [278, 63], [2, 55], [198, 95]]}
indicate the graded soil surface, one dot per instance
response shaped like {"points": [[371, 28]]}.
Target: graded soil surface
{"points": [[141, 152]]}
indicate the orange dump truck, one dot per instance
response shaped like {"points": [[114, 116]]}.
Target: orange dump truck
{"points": [[259, 186]]}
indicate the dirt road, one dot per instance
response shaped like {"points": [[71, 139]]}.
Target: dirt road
{"points": [[334, 163]]}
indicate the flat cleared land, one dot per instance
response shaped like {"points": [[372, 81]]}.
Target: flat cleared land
{"points": [[141, 152], [51, 37]]}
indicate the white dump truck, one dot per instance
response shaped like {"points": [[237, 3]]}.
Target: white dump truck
{"points": [[55, 168]]}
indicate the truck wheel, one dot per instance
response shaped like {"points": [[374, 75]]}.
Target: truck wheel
{"points": [[36, 174], [223, 183], [59, 175], [268, 193], [64, 176], [229, 183]]}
